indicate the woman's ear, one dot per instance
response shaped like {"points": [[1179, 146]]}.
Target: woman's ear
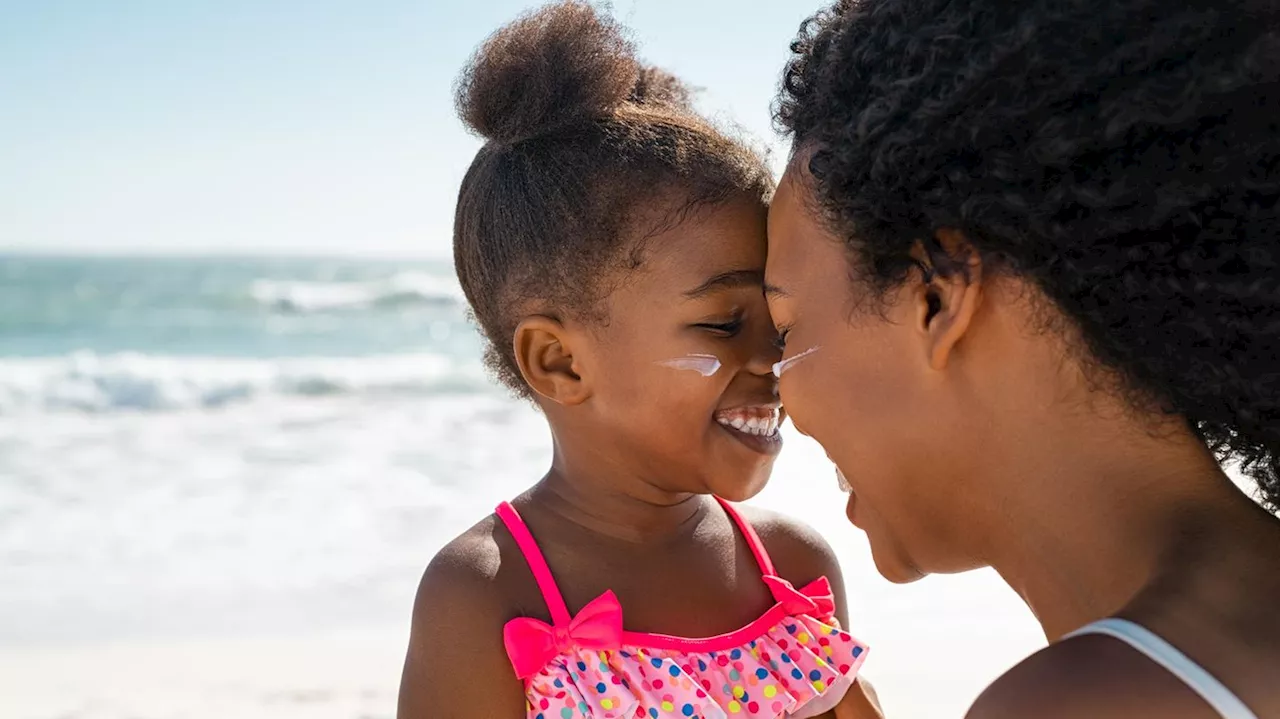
{"points": [[544, 350], [948, 298]]}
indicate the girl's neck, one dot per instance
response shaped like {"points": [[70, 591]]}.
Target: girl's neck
{"points": [[611, 505]]}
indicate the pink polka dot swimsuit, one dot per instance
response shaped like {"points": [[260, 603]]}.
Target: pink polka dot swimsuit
{"points": [[794, 661]]}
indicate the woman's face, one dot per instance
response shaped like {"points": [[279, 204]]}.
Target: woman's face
{"points": [[866, 391]]}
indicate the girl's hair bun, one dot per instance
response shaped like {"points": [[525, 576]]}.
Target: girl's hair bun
{"points": [[552, 68]]}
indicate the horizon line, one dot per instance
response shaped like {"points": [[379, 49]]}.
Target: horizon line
{"points": [[140, 253]]}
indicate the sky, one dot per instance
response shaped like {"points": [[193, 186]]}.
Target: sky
{"points": [[309, 127]]}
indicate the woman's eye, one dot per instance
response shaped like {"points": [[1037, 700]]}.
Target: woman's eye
{"points": [[724, 329], [781, 340]]}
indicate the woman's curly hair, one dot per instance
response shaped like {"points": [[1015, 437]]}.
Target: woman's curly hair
{"points": [[1123, 155]]}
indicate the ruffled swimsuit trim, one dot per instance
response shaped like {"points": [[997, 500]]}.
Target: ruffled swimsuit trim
{"points": [[794, 661]]}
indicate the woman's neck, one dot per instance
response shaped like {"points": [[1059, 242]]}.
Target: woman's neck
{"points": [[1108, 516]]}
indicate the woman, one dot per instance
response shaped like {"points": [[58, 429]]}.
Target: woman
{"points": [[1026, 260]]}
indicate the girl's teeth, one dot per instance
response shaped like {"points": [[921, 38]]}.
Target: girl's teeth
{"points": [[748, 422]]}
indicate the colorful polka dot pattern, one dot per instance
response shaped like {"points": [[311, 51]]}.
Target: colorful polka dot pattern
{"points": [[777, 675]]}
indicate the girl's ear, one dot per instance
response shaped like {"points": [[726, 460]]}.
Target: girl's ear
{"points": [[544, 350]]}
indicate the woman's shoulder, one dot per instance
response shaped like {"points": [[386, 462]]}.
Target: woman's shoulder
{"points": [[1093, 676]]}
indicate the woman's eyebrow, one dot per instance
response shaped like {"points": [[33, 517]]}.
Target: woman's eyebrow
{"points": [[732, 279], [774, 291]]}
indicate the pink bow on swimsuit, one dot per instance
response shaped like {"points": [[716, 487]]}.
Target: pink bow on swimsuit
{"points": [[816, 599], [532, 643]]}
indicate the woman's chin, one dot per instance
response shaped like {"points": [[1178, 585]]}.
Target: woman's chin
{"points": [[892, 563], [895, 570]]}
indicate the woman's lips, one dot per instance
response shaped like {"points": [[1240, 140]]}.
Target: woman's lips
{"points": [[843, 482]]}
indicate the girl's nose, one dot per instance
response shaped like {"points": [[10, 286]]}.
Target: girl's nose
{"points": [[764, 349]]}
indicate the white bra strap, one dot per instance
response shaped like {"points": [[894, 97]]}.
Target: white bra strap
{"points": [[1227, 704]]}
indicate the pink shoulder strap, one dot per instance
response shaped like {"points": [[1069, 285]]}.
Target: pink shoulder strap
{"points": [[752, 539], [537, 563]]}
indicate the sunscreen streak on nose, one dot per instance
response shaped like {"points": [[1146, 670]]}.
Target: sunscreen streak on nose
{"points": [[705, 365], [786, 364]]}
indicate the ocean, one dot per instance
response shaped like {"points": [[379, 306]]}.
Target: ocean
{"points": [[220, 480]]}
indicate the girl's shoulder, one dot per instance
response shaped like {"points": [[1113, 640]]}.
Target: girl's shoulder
{"points": [[455, 664], [791, 543], [472, 559], [459, 584], [475, 574], [799, 552]]}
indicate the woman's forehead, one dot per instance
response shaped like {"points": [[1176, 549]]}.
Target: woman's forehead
{"points": [[790, 230]]}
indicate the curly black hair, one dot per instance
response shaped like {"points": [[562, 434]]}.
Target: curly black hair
{"points": [[588, 152], [1123, 155]]}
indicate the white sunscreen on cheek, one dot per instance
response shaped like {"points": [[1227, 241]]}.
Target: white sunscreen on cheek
{"points": [[705, 365], [780, 367]]}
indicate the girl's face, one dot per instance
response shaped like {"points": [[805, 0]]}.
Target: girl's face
{"points": [[866, 393], [682, 371]]}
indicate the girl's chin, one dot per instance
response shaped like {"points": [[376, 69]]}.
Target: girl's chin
{"points": [[740, 491]]}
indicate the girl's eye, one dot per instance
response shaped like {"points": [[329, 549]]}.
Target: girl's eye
{"points": [[781, 340], [724, 329]]}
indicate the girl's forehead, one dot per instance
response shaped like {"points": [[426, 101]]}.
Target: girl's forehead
{"points": [[718, 240]]}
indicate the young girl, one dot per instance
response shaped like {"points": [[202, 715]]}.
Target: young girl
{"points": [[611, 245]]}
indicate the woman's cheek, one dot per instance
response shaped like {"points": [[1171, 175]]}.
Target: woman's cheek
{"points": [[794, 392]]}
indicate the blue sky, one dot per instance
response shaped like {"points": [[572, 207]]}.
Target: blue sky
{"points": [[291, 126]]}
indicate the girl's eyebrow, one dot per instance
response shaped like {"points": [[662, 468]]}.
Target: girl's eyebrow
{"points": [[731, 279], [774, 291]]}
